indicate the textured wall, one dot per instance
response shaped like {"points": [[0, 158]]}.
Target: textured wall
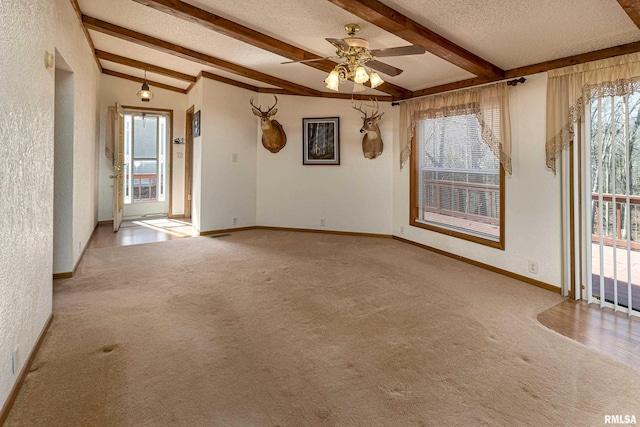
{"points": [[355, 196], [533, 218], [26, 181], [27, 90]]}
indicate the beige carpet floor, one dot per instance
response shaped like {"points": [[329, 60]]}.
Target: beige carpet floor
{"points": [[269, 328]]}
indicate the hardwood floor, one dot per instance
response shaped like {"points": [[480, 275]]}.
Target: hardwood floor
{"points": [[604, 330], [142, 231], [615, 334]]}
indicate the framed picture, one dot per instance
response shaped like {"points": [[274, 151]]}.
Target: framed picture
{"points": [[321, 141], [196, 124]]}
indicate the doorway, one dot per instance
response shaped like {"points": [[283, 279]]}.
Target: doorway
{"points": [[63, 168], [146, 183]]}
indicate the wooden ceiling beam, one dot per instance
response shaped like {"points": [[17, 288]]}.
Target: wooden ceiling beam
{"points": [[632, 8], [76, 7], [278, 91], [541, 67], [151, 83], [111, 57], [451, 86], [574, 60], [247, 35], [191, 55], [396, 23], [228, 81], [229, 28]]}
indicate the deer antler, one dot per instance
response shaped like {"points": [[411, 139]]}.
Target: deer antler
{"points": [[254, 105], [375, 105], [260, 107], [274, 105], [360, 109]]}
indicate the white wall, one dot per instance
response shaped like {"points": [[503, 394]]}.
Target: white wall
{"points": [[27, 30], [114, 89], [227, 189], [73, 47], [63, 169], [354, 196], [533, 226]]}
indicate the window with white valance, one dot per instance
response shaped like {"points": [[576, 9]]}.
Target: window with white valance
{"points": [[460, 147], [570, 89]]}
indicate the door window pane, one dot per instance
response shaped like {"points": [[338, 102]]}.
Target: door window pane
{"points": [[146, 134], [145, 141]]}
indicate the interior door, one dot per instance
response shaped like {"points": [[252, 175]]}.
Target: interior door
{"points": [[118, 167]]}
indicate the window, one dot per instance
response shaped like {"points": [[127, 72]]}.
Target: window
{"points": [[145, 137], [457, 181]]}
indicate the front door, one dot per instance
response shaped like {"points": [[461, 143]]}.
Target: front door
{"points": [[145, 187]]}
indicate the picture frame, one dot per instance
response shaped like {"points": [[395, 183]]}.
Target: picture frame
{"points": [[321, 141], [196, 124]]}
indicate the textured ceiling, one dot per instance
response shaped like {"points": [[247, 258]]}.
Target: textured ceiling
{"points": [[515, 33], [507, 33]]}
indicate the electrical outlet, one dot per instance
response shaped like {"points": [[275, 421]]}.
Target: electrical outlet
{"points": [[533, 267], [234, 157], [235, 221], [322, 222], [402, 229], [15, 360]]}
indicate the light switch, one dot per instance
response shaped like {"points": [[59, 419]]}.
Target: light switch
{"points": [[180, 155]]}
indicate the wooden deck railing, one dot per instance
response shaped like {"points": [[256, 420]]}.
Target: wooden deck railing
{"points": [[620, 200], [152, 180], [467, 209]]}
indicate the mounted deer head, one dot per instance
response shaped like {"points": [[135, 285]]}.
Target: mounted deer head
{"points": [[372, 141], [273, 136]]}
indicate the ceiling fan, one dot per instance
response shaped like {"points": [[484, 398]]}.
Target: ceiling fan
{"points": [[355, 53]]}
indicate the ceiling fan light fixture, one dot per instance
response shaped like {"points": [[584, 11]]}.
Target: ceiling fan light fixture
{"points": [[357, 42], [145, 94], [333, 80], [360, 75], [376, 80]]}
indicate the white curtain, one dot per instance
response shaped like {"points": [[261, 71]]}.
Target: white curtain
{"points": [[490, 104], [570, 89], [110, 136]]}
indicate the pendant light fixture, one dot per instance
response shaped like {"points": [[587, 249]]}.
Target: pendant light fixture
{"points": [[145, 94]]}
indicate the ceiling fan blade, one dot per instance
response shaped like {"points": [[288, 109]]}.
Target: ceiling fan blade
{"points": [[310, 60], [339, 43], [398, 51], [384, 68]]}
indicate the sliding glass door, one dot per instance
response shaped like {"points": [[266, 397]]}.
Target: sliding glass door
{"points": [[611, 202]]}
